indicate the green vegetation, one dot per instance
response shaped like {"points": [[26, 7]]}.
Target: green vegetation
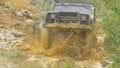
{"points": [[11, 54], [65, 64], [109, 13], [17, 59], [43, 6]]}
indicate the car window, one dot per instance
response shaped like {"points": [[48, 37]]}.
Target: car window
{"points": [[70, 8]]}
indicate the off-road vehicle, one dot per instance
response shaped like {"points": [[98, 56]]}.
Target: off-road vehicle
{"points": [[71, 12], [70, 27]]}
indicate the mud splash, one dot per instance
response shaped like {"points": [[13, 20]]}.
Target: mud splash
{"points": [[73, 43]]}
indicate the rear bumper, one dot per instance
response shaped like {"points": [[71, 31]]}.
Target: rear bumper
{"points": [[67, 26]]}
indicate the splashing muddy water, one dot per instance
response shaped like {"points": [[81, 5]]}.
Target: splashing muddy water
{"points": [[74, 42]]}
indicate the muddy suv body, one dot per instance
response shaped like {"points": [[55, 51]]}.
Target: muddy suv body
{"points": [[71, 13]]}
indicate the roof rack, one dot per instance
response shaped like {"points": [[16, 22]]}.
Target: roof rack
{"points": [[71, 1]]}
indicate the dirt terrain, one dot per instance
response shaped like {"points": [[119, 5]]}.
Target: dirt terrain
{"points": [[15, 17], [13, 22]]}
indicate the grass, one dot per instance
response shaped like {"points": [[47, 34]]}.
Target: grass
{"points": [[17, 59], [65, 65], [109, 13]]}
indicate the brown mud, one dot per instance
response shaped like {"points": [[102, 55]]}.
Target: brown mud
{"points": [[79, 44]]}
